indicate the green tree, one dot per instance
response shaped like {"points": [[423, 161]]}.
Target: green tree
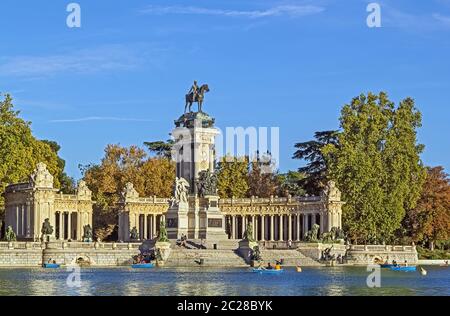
{"points": [[20, 151], [232, 176], [289, 184], [376, 165], [316, 170], [160, 148], [67, 183]]}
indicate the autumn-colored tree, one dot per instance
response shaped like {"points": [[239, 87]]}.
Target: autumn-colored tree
{"points": [[120, 165], [20, 151], [429, 221], [232, 177], [262, 178]]}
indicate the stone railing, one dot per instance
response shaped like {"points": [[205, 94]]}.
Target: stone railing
{"points": [[17, 187], [18, 245], [382, 248], [271, 200]]}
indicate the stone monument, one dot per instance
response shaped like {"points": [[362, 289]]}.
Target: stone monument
{"points": [[194, 211]]}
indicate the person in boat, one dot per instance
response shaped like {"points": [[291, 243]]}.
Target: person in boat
{"points": [[406, 263], [394, 263], [269, 266]]}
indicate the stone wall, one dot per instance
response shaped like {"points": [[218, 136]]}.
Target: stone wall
{"points": [[22, 254]]}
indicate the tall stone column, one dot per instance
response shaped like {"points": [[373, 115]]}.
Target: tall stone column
{"points": [[233, 227], [281, 228], [254, 227], [145, 227], [263, 228], [290, 227], [69, 225], [154, 225], [272, 226], [299, 230], [61, 226]]}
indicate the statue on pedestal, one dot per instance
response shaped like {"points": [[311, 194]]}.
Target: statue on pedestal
{"points": [[181, 190], [134, 235], [10, 235], [195, 94], [162, 232], [248, 234], [207, 183], [47, 229], [87, 233]]}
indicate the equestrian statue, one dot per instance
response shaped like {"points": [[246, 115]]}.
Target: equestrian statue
{"points": [[196, 94]]}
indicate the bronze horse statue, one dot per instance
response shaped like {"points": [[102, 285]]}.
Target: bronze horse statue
{"points": [[199, 98]]}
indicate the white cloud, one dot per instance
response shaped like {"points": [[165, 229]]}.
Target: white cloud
{"points": [[442, 18], [99, 118], [288, 10], [85, 61]]}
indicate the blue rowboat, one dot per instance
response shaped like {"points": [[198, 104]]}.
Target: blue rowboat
{"points": [[404, 268], [143, 265], [267, 271], [387, 265], [51, 266]]}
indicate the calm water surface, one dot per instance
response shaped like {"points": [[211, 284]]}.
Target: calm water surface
{"points": [[223, 282]]}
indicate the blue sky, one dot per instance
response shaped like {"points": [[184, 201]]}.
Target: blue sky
{"points": [[121, 77]]}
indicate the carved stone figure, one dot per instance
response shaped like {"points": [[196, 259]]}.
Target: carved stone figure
{"points": [[196, 95], [256, 254], [181, 190], [248, 234], [41, 177], [134, 235], [129, 192], [83, 190], [47, 229], [10, 235], [331, 192], [87, 233], [162, 232], [313, 234], [207, 183]]}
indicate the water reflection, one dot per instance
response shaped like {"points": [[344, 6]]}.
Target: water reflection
{"points": [[221, 282]]}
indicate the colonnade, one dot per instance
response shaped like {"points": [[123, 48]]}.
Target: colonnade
{"points": [[147, 225], [274, 227]]}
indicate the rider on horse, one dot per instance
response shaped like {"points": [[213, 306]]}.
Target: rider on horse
{"points": [[194, 91]]}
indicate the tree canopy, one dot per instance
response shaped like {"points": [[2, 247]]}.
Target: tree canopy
{"points": [[316, 170], [20, 151], [377, 165], [429, 221], [152, 176]]}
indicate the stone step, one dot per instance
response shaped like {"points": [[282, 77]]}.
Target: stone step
{"points": [[180, 257], [290, 257]]}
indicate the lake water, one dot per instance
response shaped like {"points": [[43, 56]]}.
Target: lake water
{"points": [[223, 282]]}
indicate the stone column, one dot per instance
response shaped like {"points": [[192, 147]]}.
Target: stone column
{"points": [[145, 227], [254, 227], [69, 225], [298, 228], [233, 227], [290, 227], [281, 228], [263, 228], [272, 235], [154, 225], [305, 223]]}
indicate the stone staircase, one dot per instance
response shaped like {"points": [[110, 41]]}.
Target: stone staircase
{"points": [[291, 257], [182, 257]]}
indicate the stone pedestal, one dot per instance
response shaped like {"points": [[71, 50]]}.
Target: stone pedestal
{"points": [[177, 220], [246, 249], [212, 222], [163, 248]]}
